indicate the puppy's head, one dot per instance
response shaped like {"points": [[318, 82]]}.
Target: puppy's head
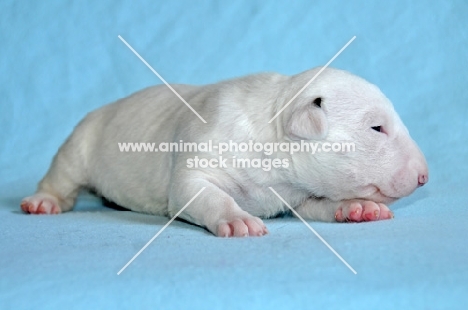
{"points": [[338, 107]]}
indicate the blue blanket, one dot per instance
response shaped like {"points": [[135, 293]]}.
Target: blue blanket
{"points": [[60, 60]]}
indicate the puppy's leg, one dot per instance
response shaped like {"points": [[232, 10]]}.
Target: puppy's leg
{"points": [[57, 191], [344, 211], [213, 209]]}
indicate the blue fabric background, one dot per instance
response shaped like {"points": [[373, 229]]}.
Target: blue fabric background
{"points": [[62, 59]]}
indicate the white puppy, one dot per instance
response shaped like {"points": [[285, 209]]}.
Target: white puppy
{"points": [[326, 186]]}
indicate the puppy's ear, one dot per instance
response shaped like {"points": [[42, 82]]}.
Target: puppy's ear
{"points": [[307, 121]]}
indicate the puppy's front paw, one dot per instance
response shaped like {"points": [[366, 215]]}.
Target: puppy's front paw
{"points": [[41, 203], [241, 226], [362, 210]]}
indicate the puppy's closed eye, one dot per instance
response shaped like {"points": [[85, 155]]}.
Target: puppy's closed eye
{"points": [[377, 128]]}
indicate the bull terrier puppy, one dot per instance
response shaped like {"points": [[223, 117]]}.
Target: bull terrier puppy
{"points": [[326, 186]]}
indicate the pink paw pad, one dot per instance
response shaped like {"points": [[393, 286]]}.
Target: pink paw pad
{"points": [[242, 227], [363, 210], [40, 204]]}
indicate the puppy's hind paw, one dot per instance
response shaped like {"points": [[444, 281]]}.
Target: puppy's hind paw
{"points": [[41, 203]]}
